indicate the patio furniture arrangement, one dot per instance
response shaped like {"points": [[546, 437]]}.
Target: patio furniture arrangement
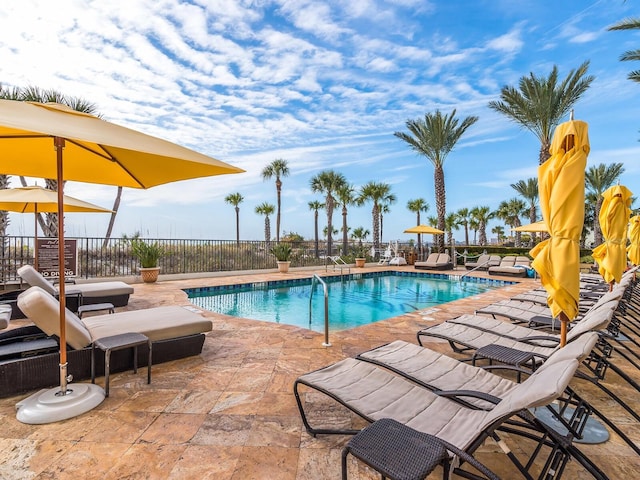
{"points": [[116, 293], [435, 261], [512, 266], [30, 354]]}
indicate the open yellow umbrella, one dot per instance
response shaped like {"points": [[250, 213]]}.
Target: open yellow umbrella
{"points": [[633, 250], [537, 227], [614, 218], [53, 141], [41, 200], [561, 192], [423, 229]]}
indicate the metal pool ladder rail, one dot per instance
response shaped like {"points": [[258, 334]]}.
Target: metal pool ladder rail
{"points": [[314, 280]]}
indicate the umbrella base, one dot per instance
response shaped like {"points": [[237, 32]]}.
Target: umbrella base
{"points": [[594, 431], [47, 407]]}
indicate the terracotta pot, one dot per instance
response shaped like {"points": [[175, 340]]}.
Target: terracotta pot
{"points": [[360, 262], [149, 275], [283, 267]]}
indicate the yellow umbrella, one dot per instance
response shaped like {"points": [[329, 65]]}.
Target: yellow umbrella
{"points": [[53, 141], [614, 218], [561, 192], [423, 229], [532, 227], [633, 250], [41, 200]]}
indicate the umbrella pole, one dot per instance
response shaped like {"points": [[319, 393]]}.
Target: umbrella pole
{"points": [[564, 322], [35, 234], [59, 145]]}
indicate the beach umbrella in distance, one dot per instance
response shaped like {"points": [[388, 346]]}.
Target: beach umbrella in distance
{"points": [[537, 227], [41, 200], [611, 255], [423, 229], [561, 192], [633, 250], [49, 140]]}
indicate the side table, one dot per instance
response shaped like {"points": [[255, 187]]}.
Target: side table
{"points": [[399, 452], [95, 307], [119, 342], [506, 355]]}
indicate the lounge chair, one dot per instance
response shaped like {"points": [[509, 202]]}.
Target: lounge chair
{"points": [[435, 261], [175, 331], [513, 266], [116, 293], [373, 393], [482, 263]]}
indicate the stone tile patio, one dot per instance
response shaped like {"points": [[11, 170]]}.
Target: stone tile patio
{"points": [[230, 413]]}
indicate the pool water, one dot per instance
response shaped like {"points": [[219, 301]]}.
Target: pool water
{"points": [[354, 300]]}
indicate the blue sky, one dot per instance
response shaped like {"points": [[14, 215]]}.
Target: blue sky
{"points": [[323, 85]]}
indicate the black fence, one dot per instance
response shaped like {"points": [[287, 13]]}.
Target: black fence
{"points": [[113, 258]]}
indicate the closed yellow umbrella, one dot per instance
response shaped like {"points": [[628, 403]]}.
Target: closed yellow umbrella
{"points": [[633, 250], [54, 141], [614, 218], [561, 192]]}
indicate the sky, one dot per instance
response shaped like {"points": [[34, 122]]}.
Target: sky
{"points": [[323, 85]]}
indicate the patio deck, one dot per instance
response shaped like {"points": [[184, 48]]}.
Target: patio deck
{"points": [[230, 413]]}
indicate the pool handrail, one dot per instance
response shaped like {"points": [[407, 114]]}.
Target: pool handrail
{"points": [[315, 279]]}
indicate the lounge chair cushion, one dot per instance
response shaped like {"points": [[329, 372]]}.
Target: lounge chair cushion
{"points": [[156, 323], [5, 315], [481, 262], [89, 290], [437, 261], [511, 265]]}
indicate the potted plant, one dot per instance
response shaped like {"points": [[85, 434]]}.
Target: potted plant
{"points": [[148, 254], [361, 256], [282, 252]]}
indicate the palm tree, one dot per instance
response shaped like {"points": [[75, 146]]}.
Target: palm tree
{"points": [[435, 137], [541, 103], [528, 189], [328, 182], [590, 218], [629, 24], [235, 199], [499, 231], [378, 193], [482, 215], [597, 179], [266, 209], [451, 222], [315, 206], [463, 219], [346, 197], [510, 211], [278, 168], [385, 207], [360, 234], [474, 225], [432, 221], [416, 206]]}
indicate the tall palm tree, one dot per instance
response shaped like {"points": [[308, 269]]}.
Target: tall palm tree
{"points": [[630, 24], [528, 189], [235, 199], [510, 211], [590, 218], [360, 234], [315, 206], [432, 221], [346, 197], [597, 179], [499, 231], [435, 137], [278, 168], [482, 215], [416, 206], [385, 207], [328, 182], [463, 219], [376, 193], [541, 103], [266, 209], [474, 225]]}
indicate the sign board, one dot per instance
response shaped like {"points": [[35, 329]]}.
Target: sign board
{"points": [[47, 251]]}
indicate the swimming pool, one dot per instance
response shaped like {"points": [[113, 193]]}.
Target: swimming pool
{"points": [[354, 300]]}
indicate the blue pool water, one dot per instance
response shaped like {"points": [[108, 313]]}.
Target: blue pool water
{"points": [[354, 300]]}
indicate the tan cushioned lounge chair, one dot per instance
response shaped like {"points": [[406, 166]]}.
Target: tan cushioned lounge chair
{"points": [[435, 261], [513, 266], [116, 293], [159, 323]]}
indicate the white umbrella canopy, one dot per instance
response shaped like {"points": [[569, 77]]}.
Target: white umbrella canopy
{"points": [[41, 200], [53, 141]]}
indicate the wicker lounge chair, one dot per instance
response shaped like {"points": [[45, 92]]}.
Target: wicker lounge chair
{"points": [[435, 261], [29, 355], [116, 293], [374, 393]]}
